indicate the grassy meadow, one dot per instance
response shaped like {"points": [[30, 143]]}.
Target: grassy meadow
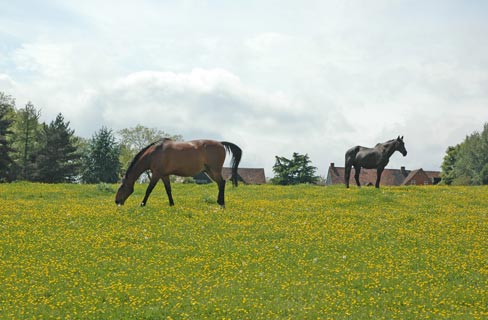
{"points": [[297, 252]]}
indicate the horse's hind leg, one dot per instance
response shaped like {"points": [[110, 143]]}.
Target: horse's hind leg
{"points": [[217, 177], [357, 172], [167, 187], [347, 175]]}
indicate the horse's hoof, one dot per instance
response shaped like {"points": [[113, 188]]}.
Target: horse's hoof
{"points": [[143, 204]]}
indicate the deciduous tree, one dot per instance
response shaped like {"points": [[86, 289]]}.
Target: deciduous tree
{"points": [[467, 162], [132, 140]]}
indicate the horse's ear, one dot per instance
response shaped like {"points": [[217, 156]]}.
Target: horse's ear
{"points": [[398, 138], [401, 138]]}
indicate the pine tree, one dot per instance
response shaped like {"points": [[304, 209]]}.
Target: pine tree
{"points": [[101, 160], [295, 171], [6, 111], [25, 142], [56, 160]]}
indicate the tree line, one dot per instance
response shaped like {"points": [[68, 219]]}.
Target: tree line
{"points": [[53, 153]]}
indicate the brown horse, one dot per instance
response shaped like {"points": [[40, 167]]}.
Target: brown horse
{"points": [[186, 159]]}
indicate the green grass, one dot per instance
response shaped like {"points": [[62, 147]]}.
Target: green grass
{"points": [[297, 252]]}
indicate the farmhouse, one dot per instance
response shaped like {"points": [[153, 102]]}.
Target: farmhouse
{"points": [[245, 175], [390, 177]]}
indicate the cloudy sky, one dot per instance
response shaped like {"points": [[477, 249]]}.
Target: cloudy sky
{"points": [[274, 77]]}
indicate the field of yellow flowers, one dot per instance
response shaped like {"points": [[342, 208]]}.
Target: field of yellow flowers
{"points": [[298, 252]]}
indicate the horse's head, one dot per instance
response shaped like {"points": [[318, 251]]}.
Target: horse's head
{"points": [[125, 190], [400, 146]]}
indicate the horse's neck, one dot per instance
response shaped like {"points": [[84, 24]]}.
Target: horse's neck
{"points": [[390, 149], [141, 166]]}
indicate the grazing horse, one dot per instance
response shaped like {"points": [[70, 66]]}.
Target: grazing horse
{"points": [[372, 158], [186, 159]]}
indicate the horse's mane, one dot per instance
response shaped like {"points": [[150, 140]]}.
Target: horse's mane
{"points": [[140, 153], [386, 142]]}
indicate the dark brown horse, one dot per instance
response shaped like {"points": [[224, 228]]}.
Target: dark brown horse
{"points": [[186, 159], [372, 158]]}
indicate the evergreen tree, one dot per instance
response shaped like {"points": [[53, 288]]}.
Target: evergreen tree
{"points": [[101, 160], [294, 171], [25, 142], [6, 112], [56, 160]]}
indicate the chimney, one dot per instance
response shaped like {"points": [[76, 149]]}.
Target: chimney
{"points": [[332, 165], [404, 172]]}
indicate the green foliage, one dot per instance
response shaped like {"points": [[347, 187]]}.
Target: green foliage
{"points": [[57, 158], [448, 174], [188, 180], [467, 162], [105, 187], [101, 159], [295, 171], [7, 105], [26, 136]]}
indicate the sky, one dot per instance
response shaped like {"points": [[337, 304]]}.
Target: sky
{"points": [[274, 77]]}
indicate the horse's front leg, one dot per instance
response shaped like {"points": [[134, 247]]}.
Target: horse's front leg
{"points": [[167, 187], [150, 187], [379, 171]]}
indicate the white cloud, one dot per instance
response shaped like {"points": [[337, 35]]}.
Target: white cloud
{"points": [[203, 103]]}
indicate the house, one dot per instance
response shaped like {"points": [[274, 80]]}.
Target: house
{"points": [[390, 177], [417, 177], [245, 175]]}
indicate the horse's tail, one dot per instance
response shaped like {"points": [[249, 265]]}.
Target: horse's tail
{"points": [[236, 158], [350, 158]]}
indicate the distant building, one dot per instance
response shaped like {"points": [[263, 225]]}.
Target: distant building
{"points": [[245, 175], [390, 177]]}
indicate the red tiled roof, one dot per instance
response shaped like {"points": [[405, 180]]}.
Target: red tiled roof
{"points": [[248, 175], [433, 174]]}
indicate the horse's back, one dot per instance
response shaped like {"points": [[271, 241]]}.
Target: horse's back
{"points": [[187, 158], [368, 158], [200, 145], [356, 154]]}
